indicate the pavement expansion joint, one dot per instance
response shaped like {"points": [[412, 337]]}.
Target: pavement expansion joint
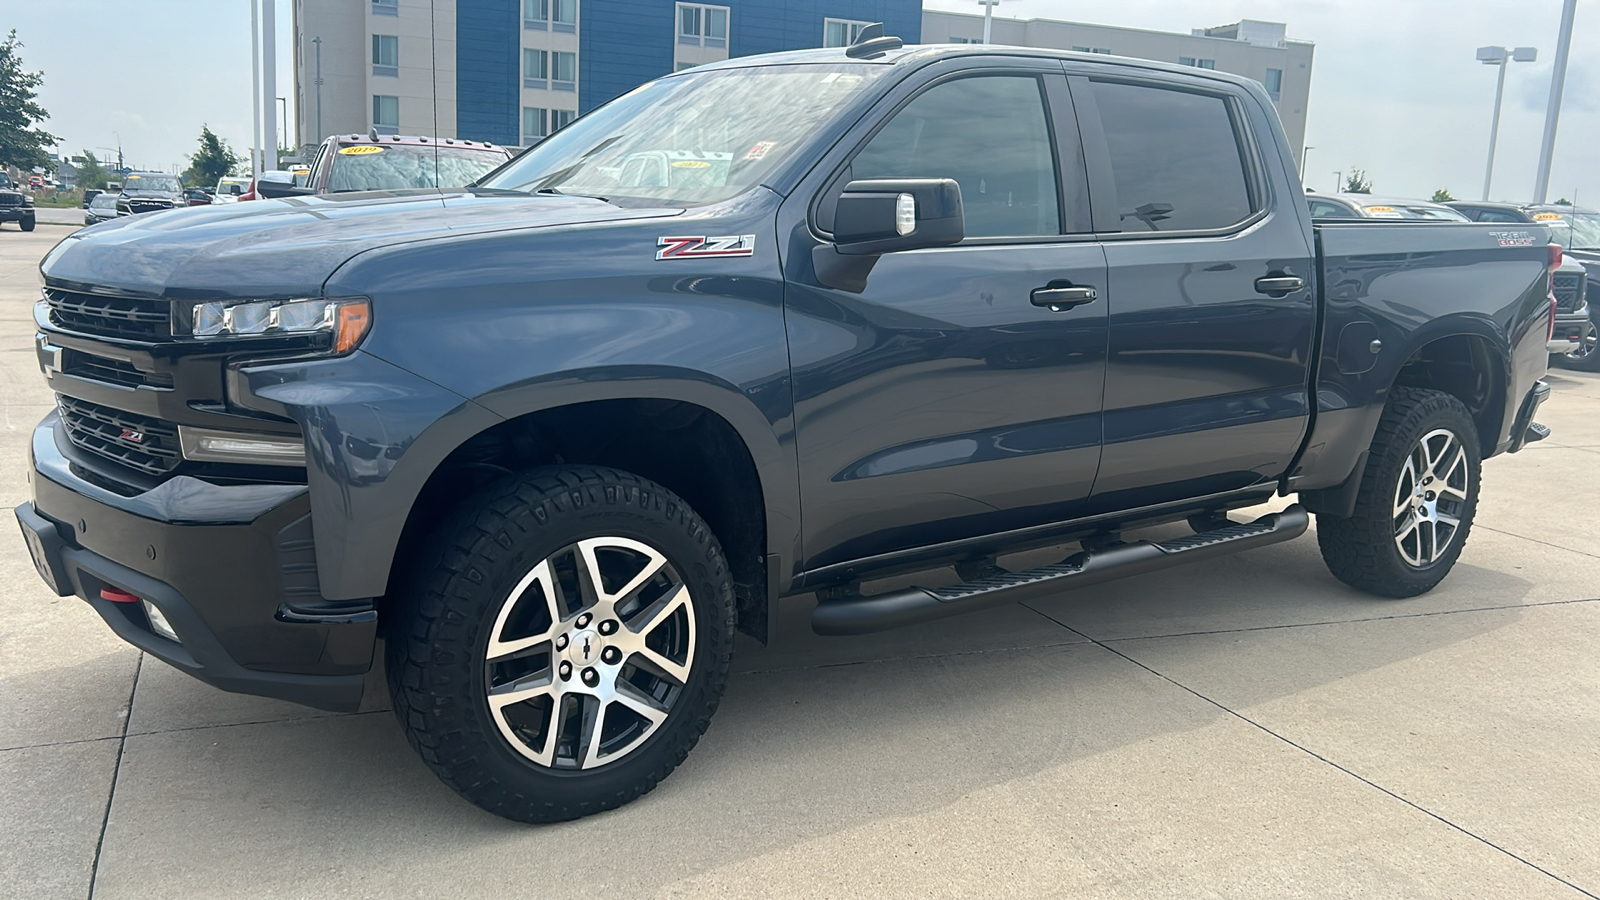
{"points": [[1326, 761], [1537, 541], [116, 774]]}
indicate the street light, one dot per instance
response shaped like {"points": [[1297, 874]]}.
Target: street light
{"points": [[283, 135], [1338, 182], [1305, 153], [1499, 56], [988, 15]]}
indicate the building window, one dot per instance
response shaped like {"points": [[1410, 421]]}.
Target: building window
{"points": [[535, 69], [1274, 82], [1103, 51], [962, 40], [561, 118], [386, 7], [536, 14], [684, 65], [565, 74], [533, 125], [566, 15], [385, 114], [386, 55], [841, 32], [1208, 64], [1185, 60], [1197, 63], [702, 26]]}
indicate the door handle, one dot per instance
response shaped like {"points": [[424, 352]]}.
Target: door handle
{"points": [[1279, 284], [1062, 298]]}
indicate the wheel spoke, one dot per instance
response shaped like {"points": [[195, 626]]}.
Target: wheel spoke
{"points": [[1407, 485], [539, 685], [517, 692], [540, 577], [653, 565]]}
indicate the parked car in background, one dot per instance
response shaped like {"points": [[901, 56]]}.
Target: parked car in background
{"points": [[36, 182], [353, 162], [197, 196], [102, 208], [144, 192], [1577, 230], [15, 206], [1354, 206], [271, 176], [89, 194], [229, 188]]}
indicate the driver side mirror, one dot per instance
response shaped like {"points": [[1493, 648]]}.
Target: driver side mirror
{"points": [[887, 215], [276, 189]]}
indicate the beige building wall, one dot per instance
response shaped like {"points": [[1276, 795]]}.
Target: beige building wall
{"points": [[350, 79], [1260, 47]]}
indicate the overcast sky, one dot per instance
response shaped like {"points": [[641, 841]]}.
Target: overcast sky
{"points": [[1394, 86]]}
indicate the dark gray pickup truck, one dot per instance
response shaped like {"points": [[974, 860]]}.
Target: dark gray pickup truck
{"points": [[773, 326]]}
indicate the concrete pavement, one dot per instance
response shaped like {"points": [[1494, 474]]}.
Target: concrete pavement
{"points": [[1245, 727]]}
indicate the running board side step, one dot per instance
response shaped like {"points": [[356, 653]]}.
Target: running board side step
{"points": [[863, 614]]}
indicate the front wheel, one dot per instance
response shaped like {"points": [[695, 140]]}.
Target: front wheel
{"points": [[1587, 357], [1416, 502], [566, 644], [27, 224]]}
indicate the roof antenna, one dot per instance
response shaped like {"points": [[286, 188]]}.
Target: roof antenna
{"points": [[872, 42]]}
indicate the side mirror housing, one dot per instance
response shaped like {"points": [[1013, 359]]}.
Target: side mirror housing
{"points": [[887, 215], [275, 189]]}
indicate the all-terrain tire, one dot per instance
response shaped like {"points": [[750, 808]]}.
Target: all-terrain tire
{"points": [[1586, 358], [1365, 550], [27, 224], [456, 604]]}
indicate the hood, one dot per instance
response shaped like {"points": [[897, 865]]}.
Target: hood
{"points": [[289, 247]]}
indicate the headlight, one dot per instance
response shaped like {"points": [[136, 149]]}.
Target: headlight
{"points": [[27, 199], [347, 319]]}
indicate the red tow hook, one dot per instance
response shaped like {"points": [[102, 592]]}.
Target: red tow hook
{"points": [[117, 596]]}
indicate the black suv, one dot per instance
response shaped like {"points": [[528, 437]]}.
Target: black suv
{"points": [[15, 206], [144, 192]]}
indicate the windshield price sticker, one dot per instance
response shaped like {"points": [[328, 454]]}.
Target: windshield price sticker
{"points": [[761, 149], [691, 164], [360, 150]]}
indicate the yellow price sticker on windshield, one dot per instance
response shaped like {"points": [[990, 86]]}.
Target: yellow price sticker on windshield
{"points": [[360, 150], [691, 164], [1547, 217]]}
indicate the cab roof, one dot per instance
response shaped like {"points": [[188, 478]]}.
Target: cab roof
{"points": [[351, 140]]}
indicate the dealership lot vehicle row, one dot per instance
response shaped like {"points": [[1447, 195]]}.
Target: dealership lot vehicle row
{"points": [[1244, 727]]}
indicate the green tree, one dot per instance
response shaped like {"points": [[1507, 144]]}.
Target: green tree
{"points": [[21, 144], [91, 174], [1442, 195], [1563, 202], [1357, 182], [213, 160]]}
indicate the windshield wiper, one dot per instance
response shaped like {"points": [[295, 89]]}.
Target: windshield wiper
{"points": [[560, 192]]}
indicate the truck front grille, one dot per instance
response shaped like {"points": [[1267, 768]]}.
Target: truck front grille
{"points": [[1568, 288], [111, 371], [10, 199], [143, 206], [143, 444], [134, 318]]}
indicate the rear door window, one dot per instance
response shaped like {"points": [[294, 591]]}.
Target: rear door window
{"points": [[1175, 158]]}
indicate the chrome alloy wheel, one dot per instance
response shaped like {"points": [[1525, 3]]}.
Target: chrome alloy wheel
{"points": [[589, 652], [1431, 498]]}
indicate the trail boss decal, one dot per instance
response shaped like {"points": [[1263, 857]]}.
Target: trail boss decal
{"points": [[696, 247], [1513, 238]]}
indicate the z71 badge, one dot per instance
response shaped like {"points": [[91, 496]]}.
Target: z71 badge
{"points": [[697, 247]]}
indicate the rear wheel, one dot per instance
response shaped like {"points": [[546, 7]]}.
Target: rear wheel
{"points": [[567, 644], [1417, 500]]}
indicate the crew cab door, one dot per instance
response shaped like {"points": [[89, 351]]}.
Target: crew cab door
{"points": [[944, 401], [1211, 286]]}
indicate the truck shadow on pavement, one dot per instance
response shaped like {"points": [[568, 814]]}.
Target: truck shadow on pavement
{"points": [[817, 739]]}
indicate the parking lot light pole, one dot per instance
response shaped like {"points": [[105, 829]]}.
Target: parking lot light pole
{"points": [[1558, 80], [1338, 182], [988, 16], [1499, 56], [255, 85]]}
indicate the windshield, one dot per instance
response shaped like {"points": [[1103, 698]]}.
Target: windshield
{"points": [[103, 201], [5, 180], [1575, 231], [690, 139], [151, 183], [391, 167], [1437, 213]]}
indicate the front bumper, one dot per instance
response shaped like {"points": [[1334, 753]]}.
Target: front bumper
{"points": [[231, 567], [1570, 331], [15, 213]]}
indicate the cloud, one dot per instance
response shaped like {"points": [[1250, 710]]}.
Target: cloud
{"points": [[1577, 94]]}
